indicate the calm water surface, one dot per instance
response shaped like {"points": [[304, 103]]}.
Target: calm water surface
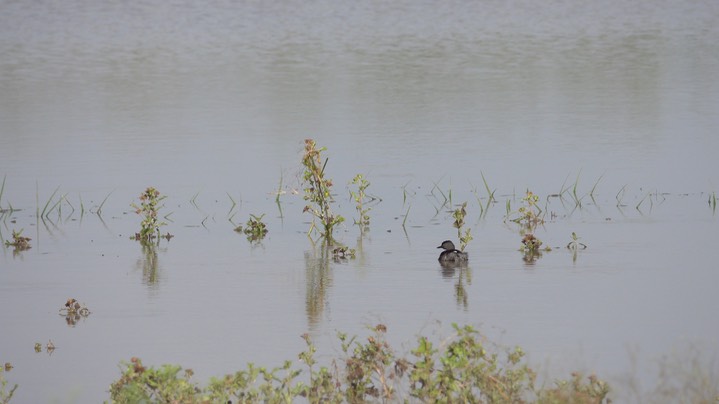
{"points": [[206, 101]]}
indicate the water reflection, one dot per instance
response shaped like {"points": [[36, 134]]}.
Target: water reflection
{"points": [[149, 264], [318, 281], [464, 278]]}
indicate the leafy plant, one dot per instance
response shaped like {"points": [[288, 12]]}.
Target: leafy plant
{"points": [[360, 197], [141, 384], [463, 368], [255, 229], [20, 242], [6, 395], [149, 208], [464, 237], [529, 215], [575, 245], [318, 191]]}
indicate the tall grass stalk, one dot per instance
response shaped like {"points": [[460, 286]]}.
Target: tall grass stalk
{"points": [[44, 210], [620, 195], [99, 208], [2, 189]]}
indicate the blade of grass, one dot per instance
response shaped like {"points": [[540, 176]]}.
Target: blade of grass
{"points": [[2, 189], [99, 209], [404, 221], [48, 203], [490, 193]]}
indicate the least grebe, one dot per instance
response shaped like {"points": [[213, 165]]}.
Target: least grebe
{"points": [[451, 254]]}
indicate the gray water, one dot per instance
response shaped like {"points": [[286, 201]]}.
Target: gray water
{"points": [[211, 104]]}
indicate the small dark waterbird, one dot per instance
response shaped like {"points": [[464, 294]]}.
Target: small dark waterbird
{"points": [[451, 254]]}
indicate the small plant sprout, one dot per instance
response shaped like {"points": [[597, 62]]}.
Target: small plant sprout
{"points": [[464, 237], [255, 229], [528, 216], [361, 199], [20, 242], [318, 191], [575, 245], [149, 208]]}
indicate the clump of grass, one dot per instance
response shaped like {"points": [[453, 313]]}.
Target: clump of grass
{"points": [[149, 208], [19, 242], [361, 199], [255, 229], [318, 191], [463, 368], [464, 236]]}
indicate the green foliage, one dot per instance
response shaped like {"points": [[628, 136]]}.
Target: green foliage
{"points": [[5, 394], [529, 215], [464, 368], [464, 237], [360, 197], [20, 242], [318, 191], [149, 208], [255, 229], [149, 385]]}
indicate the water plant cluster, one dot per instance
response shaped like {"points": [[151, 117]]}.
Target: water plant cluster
{"points": [[255, 229], [318, 192], [462, 368], [149, 208]]}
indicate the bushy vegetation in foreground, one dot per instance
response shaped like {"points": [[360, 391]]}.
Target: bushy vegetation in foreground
{"points": [[463, 368]]}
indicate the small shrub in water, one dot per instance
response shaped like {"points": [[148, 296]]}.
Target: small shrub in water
{"points": [[20, 242], [149, 208], [464, 237], [360, 197], [318, 191], [255, 229]]}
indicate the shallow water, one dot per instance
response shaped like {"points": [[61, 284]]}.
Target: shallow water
{"points": [[423, 98]]}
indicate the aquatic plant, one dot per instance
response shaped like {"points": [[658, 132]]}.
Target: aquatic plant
{"points": [[255, 229], [530, 243], [74, 311], [318, 191], [5, 394], [483, 209], [464, 368], [149, 208], [20, 242], [529, 215], [342, 253], [361, 199], [575, 245], [713, 201], [464, 236]]}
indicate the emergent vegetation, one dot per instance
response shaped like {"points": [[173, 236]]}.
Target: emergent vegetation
{"points": [[149, 208], [361, 199], [20, 242], [318, 191], [463, 368], [255, 229], [464, 236]]}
